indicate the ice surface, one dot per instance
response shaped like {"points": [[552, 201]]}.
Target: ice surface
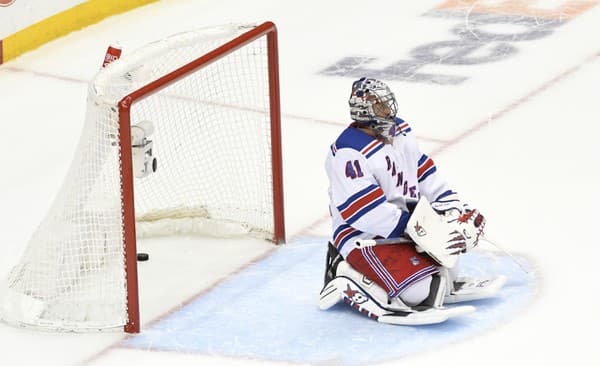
{"points": [[502, 94]]}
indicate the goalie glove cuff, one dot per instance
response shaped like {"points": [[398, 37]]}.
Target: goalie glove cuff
{"points": [[448, 203]]}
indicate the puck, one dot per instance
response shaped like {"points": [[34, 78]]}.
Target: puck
{"points": [[142, 257]]}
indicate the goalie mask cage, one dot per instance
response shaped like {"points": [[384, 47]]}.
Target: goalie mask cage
{"points": [[213, 98]]}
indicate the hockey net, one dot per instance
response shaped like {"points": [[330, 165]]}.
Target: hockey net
{"points": [[212, 98]]}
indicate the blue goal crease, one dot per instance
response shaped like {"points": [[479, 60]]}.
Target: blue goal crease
{"points": [[270, 311]]}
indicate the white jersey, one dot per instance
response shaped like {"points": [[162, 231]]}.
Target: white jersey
{"points": [[372, 184]]}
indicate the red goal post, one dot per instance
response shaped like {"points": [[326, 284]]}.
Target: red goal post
{"points": [[267, 29], [182, 136]]}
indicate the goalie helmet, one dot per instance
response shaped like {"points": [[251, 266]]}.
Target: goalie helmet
{"points": [[373, 105]]}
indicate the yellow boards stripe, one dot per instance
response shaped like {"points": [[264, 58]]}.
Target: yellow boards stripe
{"points": [[58, 25]]}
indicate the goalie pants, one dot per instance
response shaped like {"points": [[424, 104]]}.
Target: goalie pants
{"points": [[394, 267]]}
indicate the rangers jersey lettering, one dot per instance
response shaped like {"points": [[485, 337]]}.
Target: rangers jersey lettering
{"points": [[372, 184]]}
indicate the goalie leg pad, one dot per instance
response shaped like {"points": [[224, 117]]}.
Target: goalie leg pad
{"points": [[371, 300], [417, 292], [437, 292], [332, 259], [337, 289], [469, 289], [353, 294], [460, 289]]}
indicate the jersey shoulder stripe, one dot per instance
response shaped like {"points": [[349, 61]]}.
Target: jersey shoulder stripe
{"points": [[353, 138], [402, 127], [372, 148], [426, 167], [361, 203]]}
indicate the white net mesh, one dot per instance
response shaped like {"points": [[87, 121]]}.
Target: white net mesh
{"points": [[214, 176]]}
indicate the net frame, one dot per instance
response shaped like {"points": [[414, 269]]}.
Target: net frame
{"points": [[125, 106]]}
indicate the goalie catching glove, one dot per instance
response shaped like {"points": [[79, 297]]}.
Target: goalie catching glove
{"points": [[470, 224], [443, 237]]}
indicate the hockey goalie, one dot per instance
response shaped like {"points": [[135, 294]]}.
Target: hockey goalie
{"points": [[398, 227]]}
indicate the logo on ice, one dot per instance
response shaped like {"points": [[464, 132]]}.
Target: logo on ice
{"points": [[6, 2]]}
